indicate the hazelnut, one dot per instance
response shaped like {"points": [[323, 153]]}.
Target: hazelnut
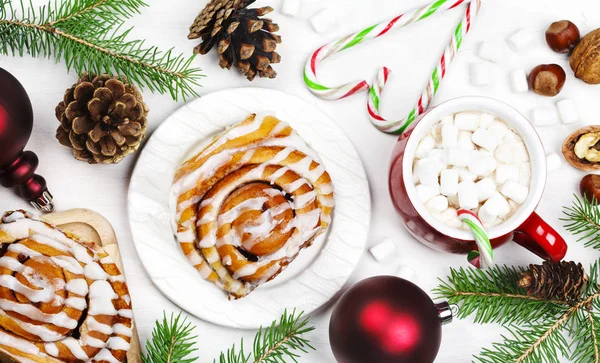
{"points": [[562, 36], [590, 187], [582, 148], [547, 79], [585, 59]]}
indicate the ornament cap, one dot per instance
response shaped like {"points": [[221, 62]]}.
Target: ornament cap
{"points": [[44, 202], [446, 312]]}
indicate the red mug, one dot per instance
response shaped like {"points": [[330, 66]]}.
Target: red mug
{"points": [[524, 227]]}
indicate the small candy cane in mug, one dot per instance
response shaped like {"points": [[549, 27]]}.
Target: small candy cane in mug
{"points": [[484, 257]]}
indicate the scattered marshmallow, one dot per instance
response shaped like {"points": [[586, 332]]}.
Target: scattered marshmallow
{"points": [[544, 116], [465, 175], [498, 204], [426, 192], [467, 121], [525, 174], [505, 173], [449, 136], [449, 182], [291, 7], [568, 111], [553, 162], [491, 52], [383, 250], [467, 195], [485, 139], [515, 191], [458, 157], [477, 164], [464, 140], [485, 189], [498, 128], [323, 21], [487, 214], [520, 41], [518, 81], [424, 147], [480, 74], [486, 120], [437, 204], [406, 272]]}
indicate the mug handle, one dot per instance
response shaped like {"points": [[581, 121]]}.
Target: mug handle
{"points": [[538, 237]]}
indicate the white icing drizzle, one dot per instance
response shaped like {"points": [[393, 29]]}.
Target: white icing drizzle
{"points": [[101, 295], [117, 343], [127, 313], [105, 355], [74, 346], [122, 329], [77, 286], [95, 325]]}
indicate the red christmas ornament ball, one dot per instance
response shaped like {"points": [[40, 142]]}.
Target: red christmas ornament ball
{"points": [[385, 319]]}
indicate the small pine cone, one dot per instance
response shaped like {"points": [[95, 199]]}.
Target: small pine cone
{"points": [[244, 39], [102, 118], [562, 280]]}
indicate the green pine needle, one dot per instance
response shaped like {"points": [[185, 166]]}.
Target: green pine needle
{"points": [[583, 220], [172, 341], [537, 327], [87, 35]]}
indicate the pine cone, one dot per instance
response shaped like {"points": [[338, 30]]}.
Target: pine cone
{"points": [[102, 118], [562, 280], [243, 39]]}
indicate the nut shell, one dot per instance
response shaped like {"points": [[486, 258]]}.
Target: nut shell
{"points": [[590, 187], [585, 59], [547, 79], [568, 149], [562, 36]]}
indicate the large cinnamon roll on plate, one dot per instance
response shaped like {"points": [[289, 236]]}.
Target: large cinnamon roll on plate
{"points": [[61, 300], [249, 202]]}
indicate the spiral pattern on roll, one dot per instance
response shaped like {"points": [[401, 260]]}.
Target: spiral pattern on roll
{"points": [[60, 299], [249, 202]]}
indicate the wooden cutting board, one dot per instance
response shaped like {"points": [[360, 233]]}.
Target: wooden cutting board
{"points": [[91, 226]]}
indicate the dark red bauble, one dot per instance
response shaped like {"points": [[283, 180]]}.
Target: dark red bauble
{"points": [[17, 168], [385, 319]]}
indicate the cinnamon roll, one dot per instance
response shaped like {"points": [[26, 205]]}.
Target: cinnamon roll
{"points": [[61, 300], [249, 202]]}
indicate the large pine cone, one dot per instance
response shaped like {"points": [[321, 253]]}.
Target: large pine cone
{"points": [[243, 39], [102, 118], [562, 280]]}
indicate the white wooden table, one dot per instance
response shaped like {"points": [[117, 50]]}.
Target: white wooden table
{"points": [[410, 52]]}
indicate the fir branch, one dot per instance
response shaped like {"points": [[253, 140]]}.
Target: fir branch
{"points": [[283, 339], [583, 220], [87, 35], [172, 341]]}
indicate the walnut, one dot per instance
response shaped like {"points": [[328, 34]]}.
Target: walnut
{"points": [[585, 59], [582, 148]]}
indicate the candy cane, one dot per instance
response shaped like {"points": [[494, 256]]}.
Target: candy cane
{"points": [[485, 254], [438, 74]]}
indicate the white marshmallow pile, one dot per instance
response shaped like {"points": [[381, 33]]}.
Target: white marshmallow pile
{"points": [[474, 161], [291, 7]]}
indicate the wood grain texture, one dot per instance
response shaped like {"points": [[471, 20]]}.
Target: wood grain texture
{"points": [[91, 226]]}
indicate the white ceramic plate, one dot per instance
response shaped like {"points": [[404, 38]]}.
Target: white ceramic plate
{"points": [[314, 277]]}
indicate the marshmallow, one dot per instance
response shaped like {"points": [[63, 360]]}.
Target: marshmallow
{"points": [[498, 205], [485, 139], [467, 121], [467, 195], [449, 182], [553, 162], [437, 204], [291, 7], [485, 189], [515, 191], [487, 214], [498, 128], [505, 173], [439, 156], [525, 174], [448, 121], [457, 157], [448, 215], [477, 164], [510, 137], [480, 74], [464, 140], [406, 272], [428, 170], [504, 154], [323, 21], [465, 175], [544, 116], [518, 81], [426, 192], [383, 250], [491, 52], [520, 152], [424, 147], [567, 110], [449, 136], [520, 41], [486, 120]]}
